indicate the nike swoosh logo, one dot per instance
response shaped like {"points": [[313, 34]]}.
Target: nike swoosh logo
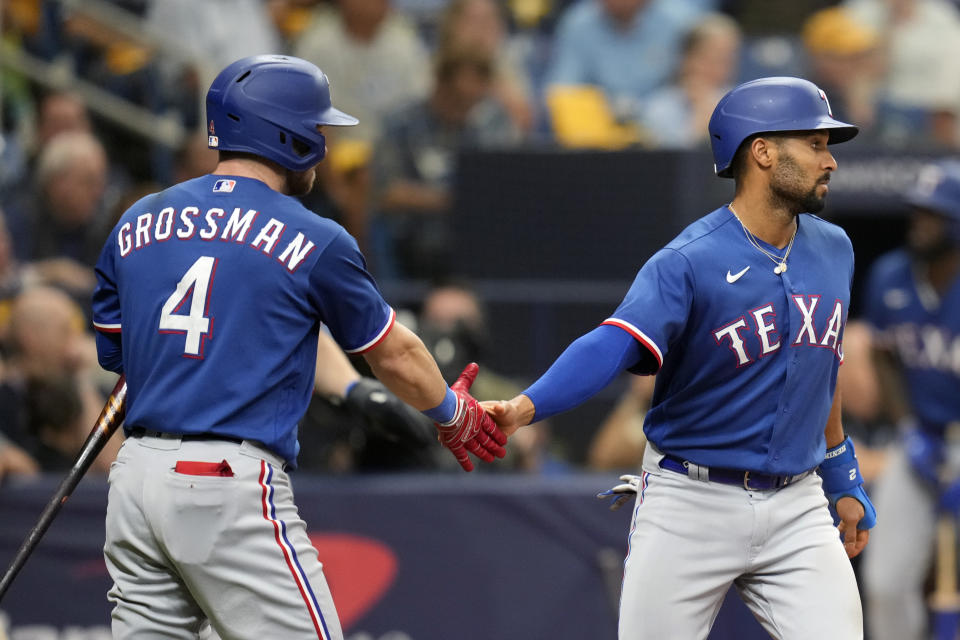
{"points": [[733, 277]]}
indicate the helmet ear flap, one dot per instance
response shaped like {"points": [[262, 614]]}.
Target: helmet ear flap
{"points": [[302, 149]]}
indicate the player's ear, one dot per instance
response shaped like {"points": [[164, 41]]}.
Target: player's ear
{"points": [[763, 151]]}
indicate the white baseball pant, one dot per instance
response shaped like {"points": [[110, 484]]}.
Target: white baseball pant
{"points": [[691, 540], [182, 548]]}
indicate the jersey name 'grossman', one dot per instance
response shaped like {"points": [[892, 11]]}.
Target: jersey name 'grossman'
{"points": [[211, 225], [212, 293]]}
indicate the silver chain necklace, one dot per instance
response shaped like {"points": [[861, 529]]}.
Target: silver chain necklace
{"points": [[752, 239]]}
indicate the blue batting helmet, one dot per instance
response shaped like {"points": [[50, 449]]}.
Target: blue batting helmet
{"points": [[273, 107], [767, 105], [938, 189]]}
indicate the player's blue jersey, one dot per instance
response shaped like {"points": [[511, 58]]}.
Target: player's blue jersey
{"points": [[218, 287], [923, 331], [748, 359]]}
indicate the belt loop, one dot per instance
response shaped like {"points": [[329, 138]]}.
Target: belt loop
{"points": [[697, 472]]}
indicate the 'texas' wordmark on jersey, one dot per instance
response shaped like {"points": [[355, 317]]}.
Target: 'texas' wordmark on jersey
{"points": [[745, 369], [762, 323], [924, 346], [214, 224]]}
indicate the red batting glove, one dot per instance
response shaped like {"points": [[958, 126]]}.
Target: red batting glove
{"points": [[471, 429]]}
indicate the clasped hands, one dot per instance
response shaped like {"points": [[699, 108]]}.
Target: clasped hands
{"points": [[481, 428], [471, 429]]}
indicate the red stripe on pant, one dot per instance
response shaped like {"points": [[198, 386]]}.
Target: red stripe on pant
{"points": [[286, 555]]}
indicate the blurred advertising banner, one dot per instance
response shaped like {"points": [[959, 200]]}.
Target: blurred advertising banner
{"points": [[408, 557]]}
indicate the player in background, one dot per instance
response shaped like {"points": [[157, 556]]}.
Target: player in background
{"points": [[210, 298], [741, 317], [913, 305]]}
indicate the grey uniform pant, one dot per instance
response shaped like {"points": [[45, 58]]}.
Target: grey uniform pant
{"points": [[897, 560], [185, 548], [691, 540]]}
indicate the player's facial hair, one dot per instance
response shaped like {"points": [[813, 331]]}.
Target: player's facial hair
{"points": [[789, 186]]}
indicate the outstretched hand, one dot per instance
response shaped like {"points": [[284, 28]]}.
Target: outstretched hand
{"points": [[510, 415], [471, 428]]}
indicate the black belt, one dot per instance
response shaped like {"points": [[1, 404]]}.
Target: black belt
{"points": [[749, 480], [139, 432]]}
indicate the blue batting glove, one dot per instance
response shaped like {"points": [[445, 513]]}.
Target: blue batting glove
{"points": [[840, 472]]}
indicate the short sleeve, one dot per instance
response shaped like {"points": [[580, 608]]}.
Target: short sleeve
{"points": [[347, 297], [656, 307], [106, 301]]}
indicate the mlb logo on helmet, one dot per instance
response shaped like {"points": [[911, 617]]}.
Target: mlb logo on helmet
{"points": [[224, 186], [212, 140]]}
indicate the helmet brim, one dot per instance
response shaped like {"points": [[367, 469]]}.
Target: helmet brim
{"points": [[841, 131], [336, 118], [938, 204]]}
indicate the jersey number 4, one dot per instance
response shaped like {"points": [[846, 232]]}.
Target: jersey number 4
{"points": [[195, 287]]}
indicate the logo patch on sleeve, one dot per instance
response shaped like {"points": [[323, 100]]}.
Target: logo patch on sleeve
{"points": [[224, 186]]}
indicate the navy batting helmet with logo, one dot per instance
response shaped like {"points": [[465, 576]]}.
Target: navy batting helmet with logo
{"points": [[938, 189], [273, 107], [769, 105]]}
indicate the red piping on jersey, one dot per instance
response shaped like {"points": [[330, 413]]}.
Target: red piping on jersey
{"points": [[393, 319], [106, 329], [638, 337]]}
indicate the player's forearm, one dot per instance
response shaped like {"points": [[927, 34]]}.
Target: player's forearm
{"points": [[833, 432], [403, 364], [588, 365], [334, 373]]}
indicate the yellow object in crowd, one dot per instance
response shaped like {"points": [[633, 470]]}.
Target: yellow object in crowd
{"points": [[581, 117], [835, 30]]}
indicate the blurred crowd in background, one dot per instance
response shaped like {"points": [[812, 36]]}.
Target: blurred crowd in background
{"points": [[102, 102]]}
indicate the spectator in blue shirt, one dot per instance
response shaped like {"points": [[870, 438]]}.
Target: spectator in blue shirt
{"points": [[626, 48], [675, 116]]}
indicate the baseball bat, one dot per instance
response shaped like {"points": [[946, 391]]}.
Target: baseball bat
{"points": [[945, 599], [110, 418]]}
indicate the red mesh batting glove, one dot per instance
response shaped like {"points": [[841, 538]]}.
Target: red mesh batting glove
{"points": [[471, 429]]}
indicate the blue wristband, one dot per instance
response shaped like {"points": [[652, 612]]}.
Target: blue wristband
{"points": [[446, 410], [840, 472]]}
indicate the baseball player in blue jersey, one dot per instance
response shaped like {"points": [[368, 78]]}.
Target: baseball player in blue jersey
{"points": [[741, 317], [913, 305], [210, 299]]}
